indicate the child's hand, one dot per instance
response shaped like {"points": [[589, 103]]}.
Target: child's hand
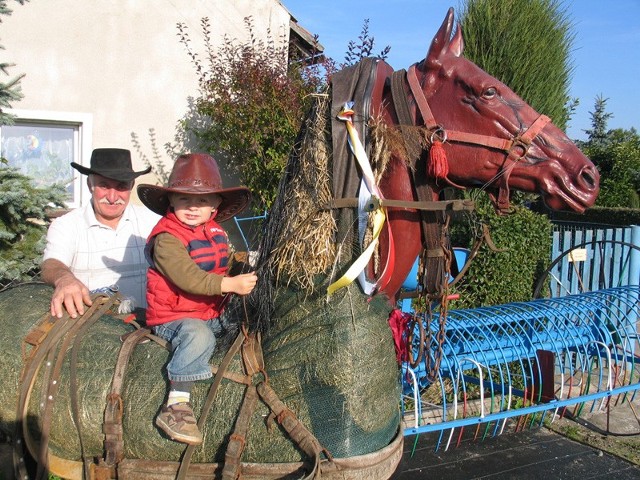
{"points": [[240, 284]]}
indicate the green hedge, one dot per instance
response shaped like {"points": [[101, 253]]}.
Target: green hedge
{"points": [[510, 275], [617, 216], [496, 278]]}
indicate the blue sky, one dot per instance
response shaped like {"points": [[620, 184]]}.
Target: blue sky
{"points": [[606, 55]]}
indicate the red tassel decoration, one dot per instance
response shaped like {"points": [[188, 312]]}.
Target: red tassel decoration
{"points": [[438, 164]]}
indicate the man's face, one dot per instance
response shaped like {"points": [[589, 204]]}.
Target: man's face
{"points": [[109, 197]]}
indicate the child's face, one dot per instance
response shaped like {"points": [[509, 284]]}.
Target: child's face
{"points": [[194, 210]]}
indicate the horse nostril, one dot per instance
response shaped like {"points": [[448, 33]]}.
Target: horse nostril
{"points": [[589, 177]]}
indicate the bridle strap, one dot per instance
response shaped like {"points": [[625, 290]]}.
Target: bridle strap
{"points": [[504, 144], [427, 115], [516, 147], [518, 150]]}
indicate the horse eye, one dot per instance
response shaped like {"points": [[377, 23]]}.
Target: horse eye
{"points": [[489, 93]]}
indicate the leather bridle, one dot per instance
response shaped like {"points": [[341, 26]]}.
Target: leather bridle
{"points": [[516, 147]]}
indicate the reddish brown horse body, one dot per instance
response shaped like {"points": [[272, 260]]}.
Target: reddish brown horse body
{"points": [[494, 140]]}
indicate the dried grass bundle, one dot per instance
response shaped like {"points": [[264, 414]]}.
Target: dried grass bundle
{"points": [[306, 245]]}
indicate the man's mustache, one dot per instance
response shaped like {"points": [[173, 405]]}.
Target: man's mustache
{"points": [[107, 202]]}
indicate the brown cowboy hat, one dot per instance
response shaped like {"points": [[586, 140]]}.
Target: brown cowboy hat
{"points": [[113, 163], [195, 174]]}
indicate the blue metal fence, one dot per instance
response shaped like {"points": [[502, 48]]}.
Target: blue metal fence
{"points": [[510, 361], [589, 258], [517, 362]]}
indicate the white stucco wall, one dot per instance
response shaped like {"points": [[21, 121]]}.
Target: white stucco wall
{"points": [[120, 62]]}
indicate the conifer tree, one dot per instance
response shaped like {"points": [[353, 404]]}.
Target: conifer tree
{"points": [[616, 153], [9, 91], [527, 45], [23, 210], [22, 206], [599, 118]]}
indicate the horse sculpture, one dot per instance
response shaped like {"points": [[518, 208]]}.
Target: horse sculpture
{"points": [[327, 368], [489, 131]]}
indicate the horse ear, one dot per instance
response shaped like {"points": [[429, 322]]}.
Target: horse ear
{"points": [[440, 46], [457, 42], [441, 41]]}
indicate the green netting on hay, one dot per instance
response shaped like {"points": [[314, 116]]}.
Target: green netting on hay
{"points": [[332, 364], [143, 393]]}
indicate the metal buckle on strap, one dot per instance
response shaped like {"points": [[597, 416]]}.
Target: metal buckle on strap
{"points": [[373, 204], [518, 144]]}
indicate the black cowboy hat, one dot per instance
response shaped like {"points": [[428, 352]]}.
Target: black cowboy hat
{"points": [[195, 174], [113, 163]]}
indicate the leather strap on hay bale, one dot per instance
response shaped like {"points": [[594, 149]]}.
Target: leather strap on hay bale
{"points": [[112, 427], [251, 351], [50, 341]]}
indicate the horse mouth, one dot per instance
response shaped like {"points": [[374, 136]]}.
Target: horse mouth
{"points": [[564, 203], [576, 194]]}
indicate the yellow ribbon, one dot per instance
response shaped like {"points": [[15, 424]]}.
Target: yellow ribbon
{"points": [[363, 259], [346, 114]]}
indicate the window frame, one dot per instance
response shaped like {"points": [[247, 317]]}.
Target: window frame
{"points": [[83, 134]]}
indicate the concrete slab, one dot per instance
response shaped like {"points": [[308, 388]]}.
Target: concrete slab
{"points": [[532, 454]]}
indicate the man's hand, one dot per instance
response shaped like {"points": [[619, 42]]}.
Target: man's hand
{"points": [[70, 293], [240, 284]]}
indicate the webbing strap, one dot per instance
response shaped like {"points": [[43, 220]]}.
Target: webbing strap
{"points": [[432, 219], [400, 98], [424, 205], [412, 141]]}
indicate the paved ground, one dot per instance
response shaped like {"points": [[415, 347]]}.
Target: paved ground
{"points": [[533, 454], [567, 450]]}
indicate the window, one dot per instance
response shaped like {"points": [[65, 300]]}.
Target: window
{"points": [[42, 145]]}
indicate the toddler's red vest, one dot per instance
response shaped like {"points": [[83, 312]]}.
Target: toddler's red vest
{"points": [[209, 248]]}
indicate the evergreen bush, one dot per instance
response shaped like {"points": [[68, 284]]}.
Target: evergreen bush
{"points": [[509, 275], [23, 224]]}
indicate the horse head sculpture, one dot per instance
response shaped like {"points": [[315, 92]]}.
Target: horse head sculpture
{"points": [[491, 138]]}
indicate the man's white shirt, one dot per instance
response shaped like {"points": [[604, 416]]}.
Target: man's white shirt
{"points": [[100, 256]]}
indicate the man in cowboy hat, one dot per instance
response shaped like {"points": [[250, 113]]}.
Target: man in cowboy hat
{"points": [[187, 281], [100, 245]]}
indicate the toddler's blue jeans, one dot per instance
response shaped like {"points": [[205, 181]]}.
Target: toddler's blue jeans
{"points": [[193, 341]]}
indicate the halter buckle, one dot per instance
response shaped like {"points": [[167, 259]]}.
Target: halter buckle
{"points": [[373, 204], [518, 143]]}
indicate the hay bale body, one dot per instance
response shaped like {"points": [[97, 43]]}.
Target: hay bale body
{"points": [[334, 364], [322, 362]]}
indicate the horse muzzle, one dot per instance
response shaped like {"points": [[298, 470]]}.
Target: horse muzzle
{"points": [[576, 193]]}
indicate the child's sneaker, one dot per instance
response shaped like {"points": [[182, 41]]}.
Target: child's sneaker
{"points": [[179, 423]]}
